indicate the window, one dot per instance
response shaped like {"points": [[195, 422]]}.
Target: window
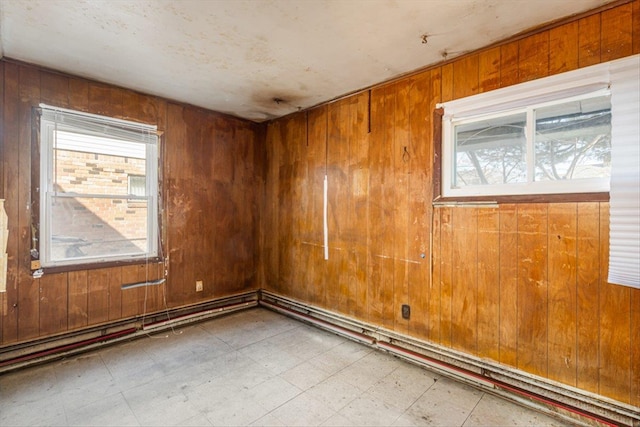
{"points": [[549, 136], [574, 132], [91, 167]]}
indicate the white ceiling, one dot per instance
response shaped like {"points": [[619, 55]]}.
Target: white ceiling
{"points": [[236, 56]]}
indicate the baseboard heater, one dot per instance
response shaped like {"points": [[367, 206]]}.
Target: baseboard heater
{"points": [[64, 345], [569, 403]]}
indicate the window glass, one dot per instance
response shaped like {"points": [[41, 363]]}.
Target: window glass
{"points": [[99, 181], [491, 151], [573, 140]]}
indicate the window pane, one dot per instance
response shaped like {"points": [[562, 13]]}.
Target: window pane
{"points": [[96, 227], [573, 140], [491, 151], [93, 165]]}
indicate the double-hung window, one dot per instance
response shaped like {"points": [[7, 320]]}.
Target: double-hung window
{"points": [[92, 169]]}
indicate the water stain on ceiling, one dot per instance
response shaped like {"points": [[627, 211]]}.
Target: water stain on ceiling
{"points": [[237, 56]]}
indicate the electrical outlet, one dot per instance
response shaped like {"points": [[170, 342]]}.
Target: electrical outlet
{"points": [[406, 311], [199, 286]]}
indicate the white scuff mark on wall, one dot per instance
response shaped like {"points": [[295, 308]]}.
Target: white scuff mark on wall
{"points": [[325, 219]]}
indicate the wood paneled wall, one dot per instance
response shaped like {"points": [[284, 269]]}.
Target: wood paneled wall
{"points": [[212, 183], [520, 284]]}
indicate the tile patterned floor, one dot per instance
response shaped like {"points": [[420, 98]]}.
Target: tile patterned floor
{"points": [[254, 367]]}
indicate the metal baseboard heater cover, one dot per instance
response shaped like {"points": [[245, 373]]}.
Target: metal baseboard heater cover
{"points": [[64, 345], [570, 403]]}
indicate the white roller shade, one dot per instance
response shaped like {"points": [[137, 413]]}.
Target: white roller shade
{"points": [[624, 227]]}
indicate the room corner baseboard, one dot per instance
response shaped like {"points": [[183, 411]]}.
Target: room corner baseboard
{"points": [[562, 401]]}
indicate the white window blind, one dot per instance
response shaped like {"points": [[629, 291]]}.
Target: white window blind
{"points": [[624, 227]]}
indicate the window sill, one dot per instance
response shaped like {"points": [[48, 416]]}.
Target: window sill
{"points": [[524, 198], [98, 265]]}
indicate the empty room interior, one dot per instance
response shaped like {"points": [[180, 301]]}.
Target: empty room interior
{"points": [[348, 212]]}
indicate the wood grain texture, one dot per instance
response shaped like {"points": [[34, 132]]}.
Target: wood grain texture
{"points": [[533, 57], [227, 192], [446, 275], [488, 283], [243, 210], [54, 306], [562, 341], [509, 276], [635, 27], [466, 76], [489, 70], [464, 282], [11, 190], [616, 32], [509, 65], [635, 347], [588, 296], [563, 45], [589, 40], [28, 312], [78, 300], [419, 206], [502, 284], [533, 310], [615, 328]]}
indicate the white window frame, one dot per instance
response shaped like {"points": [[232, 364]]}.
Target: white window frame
{"points": [[132, 133], [524, 97]]}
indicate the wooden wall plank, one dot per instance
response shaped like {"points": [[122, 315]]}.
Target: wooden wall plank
{"points": [[78, 94], [11, 151], [338, 199], [589, 40], [635, 27], [98, 296], [563, 43], [435, 292], [562, 338], [532, 288], [466, 76], [53, 304], [489, 70], [615, 326], [533, 57], [55, 89], [635, 347], [464, 281], [28, 292], [270, 240], [435, 283], [446, 76], [358, 172], [401, 156], [115, 293], [509, 70], [616, 32], [420, 171], [378, 172], [588, 296], [509, 276], [446, 275], [488, 298], [78, 299], [316, 165]]}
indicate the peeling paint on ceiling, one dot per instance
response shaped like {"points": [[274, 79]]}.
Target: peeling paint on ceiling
{"points": [[237, 56]]}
